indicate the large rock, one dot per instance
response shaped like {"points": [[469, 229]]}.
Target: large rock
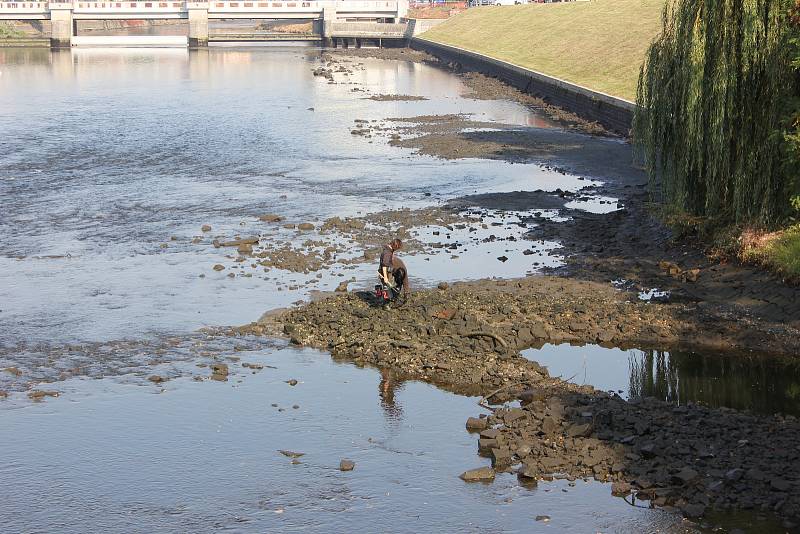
{"points": [[482, 474], [477, 424], [685, 476], [694, 510], [501, 458], [581, 430], [620, 488]]}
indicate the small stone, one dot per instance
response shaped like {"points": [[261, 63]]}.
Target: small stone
{"points": [[543, 518], [219, 372], [342, 287], [219, 267], [291, 454], [692, 275], [39, 394], [482, 474], [270, 217], [13, 370], [305, 226], [205, 228], [734, 475], [347, 465], [156, 379], [443, 285], [502, 259], [292, 382]]}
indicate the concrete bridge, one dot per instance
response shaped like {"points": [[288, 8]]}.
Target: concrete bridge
{"points": [[372, 19]]}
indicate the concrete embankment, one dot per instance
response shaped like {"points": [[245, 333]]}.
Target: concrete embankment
{"points": [[583, 56], [614, 114]]}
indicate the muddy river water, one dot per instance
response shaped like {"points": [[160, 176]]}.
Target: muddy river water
{"points": [[111, 161]]}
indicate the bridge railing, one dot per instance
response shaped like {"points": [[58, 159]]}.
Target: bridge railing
{"points": [[237, 6], [24, 7], [156, 6], [349, 6], [214, 6]]}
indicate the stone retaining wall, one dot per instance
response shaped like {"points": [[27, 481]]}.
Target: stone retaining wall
{"points": [[613, 113]]}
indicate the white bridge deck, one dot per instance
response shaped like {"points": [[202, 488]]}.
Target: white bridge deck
{"points": [[223, 9]]}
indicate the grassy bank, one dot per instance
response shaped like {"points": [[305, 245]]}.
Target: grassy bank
{"points": [[776, 251], [598, 44]]}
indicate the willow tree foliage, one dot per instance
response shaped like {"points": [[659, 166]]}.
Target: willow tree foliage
{"points": [[714, 108]]}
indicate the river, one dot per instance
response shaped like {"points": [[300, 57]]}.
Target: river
{"points": [[111, 161]]}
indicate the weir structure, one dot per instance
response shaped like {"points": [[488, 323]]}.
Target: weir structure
{"points": [[345, 22]]}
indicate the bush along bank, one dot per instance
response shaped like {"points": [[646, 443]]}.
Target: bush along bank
{"points": [[467, 337], [718, 120]]}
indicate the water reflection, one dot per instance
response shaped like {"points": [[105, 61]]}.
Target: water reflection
{"points": [[390, 385], [759, 383]]}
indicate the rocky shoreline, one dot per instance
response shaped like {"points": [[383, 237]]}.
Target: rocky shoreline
{"points": [[466, 338]]}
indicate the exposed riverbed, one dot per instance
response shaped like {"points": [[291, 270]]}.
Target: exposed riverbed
{"points": [[151, 197]]}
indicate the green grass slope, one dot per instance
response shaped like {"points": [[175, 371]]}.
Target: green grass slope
{"points": [[599, 44]]}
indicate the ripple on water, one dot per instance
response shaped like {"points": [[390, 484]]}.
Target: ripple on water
{"points": [[204, 455]]}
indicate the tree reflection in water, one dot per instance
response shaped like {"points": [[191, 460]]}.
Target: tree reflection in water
{"points": [[760, 384]]}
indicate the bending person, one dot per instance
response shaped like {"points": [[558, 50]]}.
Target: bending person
{"points": [[386, 265]]}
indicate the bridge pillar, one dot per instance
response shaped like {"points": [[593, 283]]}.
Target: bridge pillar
{"points": [[402, 10], [328, 18], [198, 24], [60, 25]]}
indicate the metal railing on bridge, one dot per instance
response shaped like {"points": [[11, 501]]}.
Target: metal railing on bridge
{"points": [[234, 7]]}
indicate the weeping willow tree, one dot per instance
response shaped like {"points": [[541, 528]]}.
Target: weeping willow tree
{"points": [[714, 102]]}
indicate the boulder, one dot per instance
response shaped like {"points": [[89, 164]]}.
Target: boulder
{"points": [[693, 510], [620, 488], [482, 474], [501, 458], [305, 226], [477, 424], [583, 430], [779, 484], [270, 217], [685, 476], [347, 465]]}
